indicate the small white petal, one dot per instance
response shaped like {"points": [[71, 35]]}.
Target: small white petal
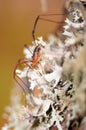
{"points": [[67, 33], [55, 75], [40, 41], [33, 84], [66, 27], [58, 125]]}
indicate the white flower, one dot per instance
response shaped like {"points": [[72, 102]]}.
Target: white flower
{"points": [[66, 33], [40, 41], [55, 75], [32, 84], [14, 111], [75, 25]]}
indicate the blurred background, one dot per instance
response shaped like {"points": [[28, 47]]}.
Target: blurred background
{"points": [[16, 22]]}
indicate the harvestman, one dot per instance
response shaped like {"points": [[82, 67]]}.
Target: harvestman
{"points": [[36, 56]]}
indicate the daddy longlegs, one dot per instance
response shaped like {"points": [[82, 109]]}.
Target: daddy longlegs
{"points": [[36, 56]]}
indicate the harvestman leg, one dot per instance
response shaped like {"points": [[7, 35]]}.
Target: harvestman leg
{"points": [[40, 17], [16, 77]]}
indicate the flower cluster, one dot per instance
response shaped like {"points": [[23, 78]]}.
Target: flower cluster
{"points": [[53, 80]]}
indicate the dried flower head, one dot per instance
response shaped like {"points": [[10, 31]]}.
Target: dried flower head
{"points": [[53, 80]]}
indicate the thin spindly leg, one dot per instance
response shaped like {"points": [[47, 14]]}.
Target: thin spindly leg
{"points": [[42, 17], [19, 80]]}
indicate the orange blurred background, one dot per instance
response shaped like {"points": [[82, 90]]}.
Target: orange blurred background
{"points": [[16, 22]]}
